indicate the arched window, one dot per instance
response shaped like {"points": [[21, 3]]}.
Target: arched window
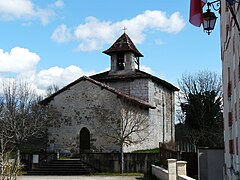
{"points": [[84, 140]]}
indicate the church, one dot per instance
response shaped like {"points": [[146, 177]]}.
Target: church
{"points": [[120, 109]]}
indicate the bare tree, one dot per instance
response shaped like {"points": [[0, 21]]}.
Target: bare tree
{"points": [[201, 105], [21, 116], [9, 169], [52, 89], [125, 126]]}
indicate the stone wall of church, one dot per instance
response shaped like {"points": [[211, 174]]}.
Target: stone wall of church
{"points": [[163, 116], [86, 105], [78, 108], [162, 119], [137, 88]]}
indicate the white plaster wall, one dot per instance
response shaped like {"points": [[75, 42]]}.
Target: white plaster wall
{"points": [[230, 55]]}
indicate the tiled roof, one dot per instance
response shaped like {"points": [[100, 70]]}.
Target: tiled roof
{"points": [[104, 86], [123, 44], [137, 74]]}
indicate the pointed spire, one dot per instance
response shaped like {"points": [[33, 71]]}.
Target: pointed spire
{"points": [[123, 44]]}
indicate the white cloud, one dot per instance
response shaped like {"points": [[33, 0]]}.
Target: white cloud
{"points": [[44, 15], [147, 69], [159, 42], [59, 76], [18, 60], [55, 75], [59, 4], [26, 9], [93, 34], [16, 8], [61, 34], [41, 80]]}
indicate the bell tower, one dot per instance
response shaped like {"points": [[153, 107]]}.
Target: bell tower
{"points": [[124, 55]]}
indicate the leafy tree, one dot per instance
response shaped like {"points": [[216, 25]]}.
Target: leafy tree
{"points": [[201, 107]]}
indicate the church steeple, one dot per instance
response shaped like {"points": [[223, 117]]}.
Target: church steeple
{"points": [[124, 55]]}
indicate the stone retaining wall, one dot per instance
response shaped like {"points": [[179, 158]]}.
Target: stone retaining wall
{"points": [[110, 162]]}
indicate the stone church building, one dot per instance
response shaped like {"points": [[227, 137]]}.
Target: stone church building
{"points": [[95, 113]]}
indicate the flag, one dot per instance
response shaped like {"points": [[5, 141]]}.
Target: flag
{"points": [[196, 6]]}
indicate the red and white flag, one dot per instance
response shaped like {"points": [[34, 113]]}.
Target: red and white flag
{"points": [[196, 6]]}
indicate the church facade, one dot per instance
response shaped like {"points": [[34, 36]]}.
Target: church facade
{"points": [[96, 111]]}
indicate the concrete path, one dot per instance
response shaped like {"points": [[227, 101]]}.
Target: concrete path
{"points": [[78, 178]]}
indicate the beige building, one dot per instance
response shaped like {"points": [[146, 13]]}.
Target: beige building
{"points": [[87, 105], [230, 55]]}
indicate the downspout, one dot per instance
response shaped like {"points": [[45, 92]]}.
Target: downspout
{"points": [[163, 119], [172, 115]]}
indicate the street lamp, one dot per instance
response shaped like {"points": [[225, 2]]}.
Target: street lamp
{"points": [[209, 20]]}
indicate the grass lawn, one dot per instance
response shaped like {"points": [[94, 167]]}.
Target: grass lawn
{"points": [[118, 174], [139, 176]]}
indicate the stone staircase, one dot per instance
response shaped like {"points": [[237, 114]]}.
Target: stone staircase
{"points": [[63, 167]]}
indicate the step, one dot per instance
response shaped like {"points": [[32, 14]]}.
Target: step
{"points": [[63, 167], [57, 173]]}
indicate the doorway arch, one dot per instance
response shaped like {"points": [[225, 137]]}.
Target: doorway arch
{"points": [[84, 140]]}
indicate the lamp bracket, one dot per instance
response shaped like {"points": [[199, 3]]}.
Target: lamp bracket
{"points": [[214, 4]]}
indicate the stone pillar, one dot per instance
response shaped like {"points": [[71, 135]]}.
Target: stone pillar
{"points": [[182, 168], [113, 63], [172, 169]]}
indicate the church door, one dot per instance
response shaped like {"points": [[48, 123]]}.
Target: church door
{"points": [[84, 140]]}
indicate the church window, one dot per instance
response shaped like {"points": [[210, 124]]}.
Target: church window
{"points": [[120, 61]]}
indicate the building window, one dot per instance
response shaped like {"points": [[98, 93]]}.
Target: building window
{"points": [[238, 108], [231, 148], [226, 7], [229, 90], [233, 44], [230, 119], [120, 61], [236, 146], [229, 84], [239, 70], [234, 78], [235, 109]]}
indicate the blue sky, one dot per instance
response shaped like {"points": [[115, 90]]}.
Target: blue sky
{"points": [[57, 41]]}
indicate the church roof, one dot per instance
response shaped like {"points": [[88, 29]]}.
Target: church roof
{"points": [[137, 74], [123, 43], [103, 86]]}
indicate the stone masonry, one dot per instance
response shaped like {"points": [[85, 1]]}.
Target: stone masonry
{"points": [[83, 105]]}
